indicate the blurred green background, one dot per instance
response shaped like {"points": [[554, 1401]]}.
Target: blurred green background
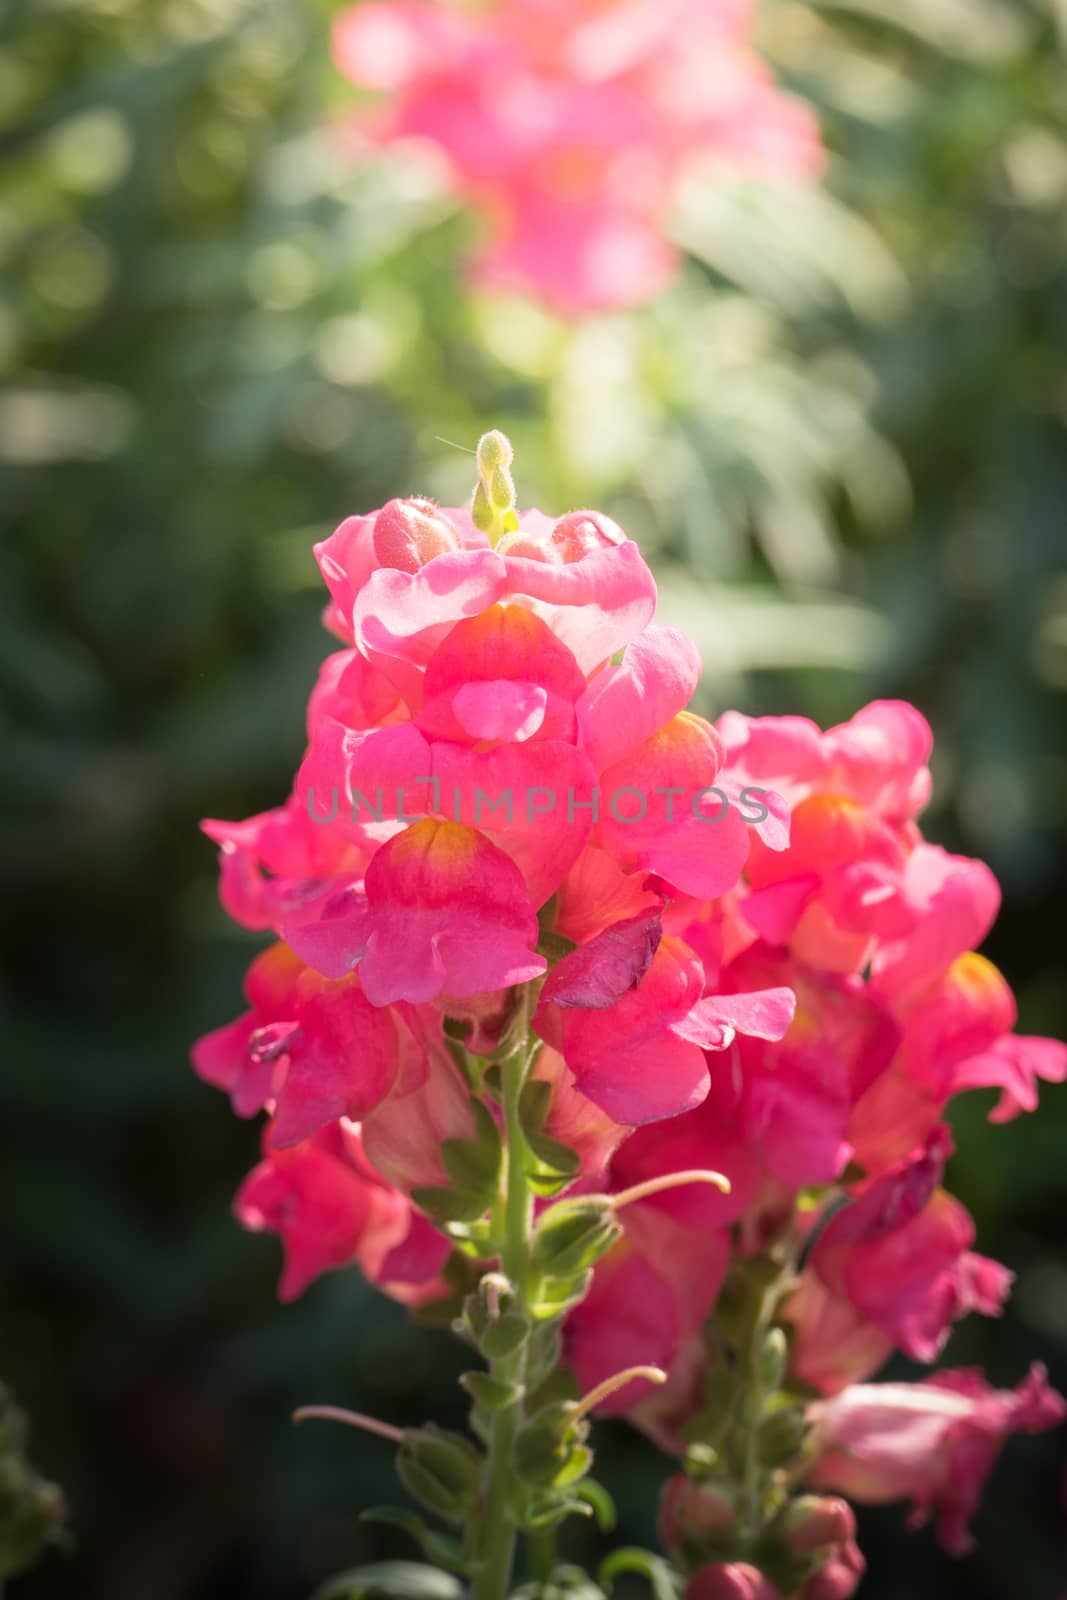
{"points": [[840, 436]]}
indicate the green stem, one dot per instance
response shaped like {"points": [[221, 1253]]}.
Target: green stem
{"points": [[541, 1545], [498, 1532]]}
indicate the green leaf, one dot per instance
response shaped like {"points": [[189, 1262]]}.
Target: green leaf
{"points": [[577, 1464], [554, 1154], [504, 1337], [475, 1164], [392, 1580], [547, 1512], [573, 1236], [441, 1469], [599, 1501], [535, 1102], [492, 1394], [438, 1547], [556, 1296], [563, 1583], [664, 1580], [450, 1205]]}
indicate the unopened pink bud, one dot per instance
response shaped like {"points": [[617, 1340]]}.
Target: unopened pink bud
{"points": [[815, 1522], [840, 1577], [409, 533], [693, 1511], [579, 533], [734, 1580]]}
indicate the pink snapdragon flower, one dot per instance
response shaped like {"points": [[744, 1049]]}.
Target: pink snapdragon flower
{"points": [[570, 127], [871, 930], [649, 1298], [472, 754], [934, 1443], [332, 1210], [900, 1254]]}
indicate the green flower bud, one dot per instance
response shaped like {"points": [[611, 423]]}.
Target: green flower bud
{"points": [[502, 489], [494, 450], [782, 1436], [482, 514], [549, 1451], [442, 1470], [573, 1236], [772, 1358]]}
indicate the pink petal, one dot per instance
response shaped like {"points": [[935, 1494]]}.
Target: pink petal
{"points": [[598, 973]]}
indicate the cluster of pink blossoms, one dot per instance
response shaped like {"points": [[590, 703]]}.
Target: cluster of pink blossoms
{"points": [[735, 948], [569, 123]]}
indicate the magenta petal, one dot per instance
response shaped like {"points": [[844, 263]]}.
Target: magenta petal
{"points": [[714, 1022], [595, 605], [598, 973], [333, 942], [448, 911], [775, 911], [660, 1078], [343, 1066], [500, 709], [405, 614], [623, 705]]}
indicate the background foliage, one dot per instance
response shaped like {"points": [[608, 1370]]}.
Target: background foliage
{"points": [[841, 437]]}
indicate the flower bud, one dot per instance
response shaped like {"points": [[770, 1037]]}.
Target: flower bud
{"points": [[501, 487], [482, 514], [409, 533], [735, 1580], [692, 1512], [782, 1436], [442, 1470], [772, 1359], [573, 1236], [494, 450], [814, 1522], [579, 533], [840, 1577]]}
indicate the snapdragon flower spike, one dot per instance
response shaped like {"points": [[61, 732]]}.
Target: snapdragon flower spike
{"points": [[871, 930], [571, 126]]}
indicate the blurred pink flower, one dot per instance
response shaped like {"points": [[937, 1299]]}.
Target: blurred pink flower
{"points": [[934, 1443], [570, 125]]}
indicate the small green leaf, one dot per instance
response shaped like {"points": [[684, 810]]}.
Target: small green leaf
{"points": [[437, 1547], [392, 1580], [576, 1466], [556, 1296], [546, 1512], [450, 1205], [555, 1155], [600, 1503], [535, 1102], [492, 1394], [573, 1236], [505, 1336], [665, 1582]]}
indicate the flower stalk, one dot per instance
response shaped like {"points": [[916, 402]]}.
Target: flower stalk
{"points": [[497, 1529]]}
